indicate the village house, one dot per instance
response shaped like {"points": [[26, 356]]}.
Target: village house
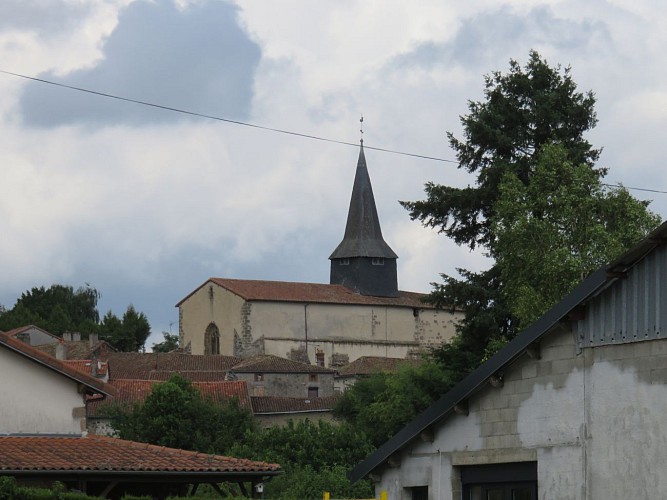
{"points": [[365, 366], [43, 437], [573, 408], [361, 312]]}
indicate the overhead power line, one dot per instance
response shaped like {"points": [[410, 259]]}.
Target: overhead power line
{"points": [[218, 118], [260, 127]]}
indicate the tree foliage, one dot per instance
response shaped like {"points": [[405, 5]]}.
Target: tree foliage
{"points": [[557, 229], [128, 334], [169, 343], [538, 207], [56, 309], [381, 404], [315, 456], [60, 308], [176, 415]]}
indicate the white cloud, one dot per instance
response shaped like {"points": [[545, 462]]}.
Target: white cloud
{"points": [[146, 210]]}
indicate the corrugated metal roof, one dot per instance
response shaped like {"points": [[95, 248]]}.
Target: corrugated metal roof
{"points": [[591, 287]]}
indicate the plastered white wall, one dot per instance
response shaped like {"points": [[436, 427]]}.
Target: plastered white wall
{"points": [[36, 399]]}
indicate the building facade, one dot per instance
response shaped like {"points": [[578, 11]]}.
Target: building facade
{"points": [[361, 312], [573, 408]]}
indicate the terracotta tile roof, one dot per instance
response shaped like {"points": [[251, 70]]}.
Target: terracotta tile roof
{"points": [[154, 366], [266, 363], [274, 404], [96, 453], [367, 365], [79, 349], [17, 331], [129, 392], [86, 366], [285, 291], [93, 385]]}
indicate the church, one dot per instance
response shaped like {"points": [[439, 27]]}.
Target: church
{"points": [[361, 312]]}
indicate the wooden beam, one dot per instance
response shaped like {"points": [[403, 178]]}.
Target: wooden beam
{"points": [[461, 408], [427, 435], [533, 351], [243, 489], [496, 380], [394, 461], [107, 490]]}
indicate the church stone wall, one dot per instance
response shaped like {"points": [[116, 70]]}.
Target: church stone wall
{"points": [[210, 304]]}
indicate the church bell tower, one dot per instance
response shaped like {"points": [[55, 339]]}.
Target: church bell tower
{"points": [[363, 261]]}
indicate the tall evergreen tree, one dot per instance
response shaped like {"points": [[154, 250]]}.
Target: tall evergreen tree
{"points": [[531, 114]]}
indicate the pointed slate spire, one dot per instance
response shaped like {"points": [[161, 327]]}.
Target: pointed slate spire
{"points": [[363, 261]]}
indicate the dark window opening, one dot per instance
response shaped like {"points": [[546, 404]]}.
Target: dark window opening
{"points": [[511, 481], [377, 261], [419, 493], [344, 262], [212, 340], [312, 392]]}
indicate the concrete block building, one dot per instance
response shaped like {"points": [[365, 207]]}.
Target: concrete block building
{"points": [[573, 408]]}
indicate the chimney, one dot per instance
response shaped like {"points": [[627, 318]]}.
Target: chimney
{"points": [[61, 350], [93, 338], [76, 336], [319, 356], [67, 336]]}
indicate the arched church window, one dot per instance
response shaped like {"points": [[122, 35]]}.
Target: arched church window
{"points": [[212, 340]]}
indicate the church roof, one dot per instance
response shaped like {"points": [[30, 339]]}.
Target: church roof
{"points": [[287, 291], [363, 236]]}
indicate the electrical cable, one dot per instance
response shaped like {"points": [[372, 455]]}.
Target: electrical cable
{"points": [[262, 127]]}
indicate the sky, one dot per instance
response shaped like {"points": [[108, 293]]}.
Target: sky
{"points": [[145, 204]]}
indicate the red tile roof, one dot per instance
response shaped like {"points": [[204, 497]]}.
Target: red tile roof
{"points": [[93, 385], [129, 392], [96, 453], [17, 331], [285, 291], [154, 366], [273, 404], [86, 366], [266, 363], [367, 365], [80, 349]]}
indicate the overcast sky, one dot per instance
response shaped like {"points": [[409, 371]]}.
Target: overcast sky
{"points": [[145, 204]]}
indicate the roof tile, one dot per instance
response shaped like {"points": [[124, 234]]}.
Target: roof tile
{"points": [[96, 453], [285, 291]]}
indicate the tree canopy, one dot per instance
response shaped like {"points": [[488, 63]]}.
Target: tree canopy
{"points": [[61, 308], [175, 414], [538, 207]]}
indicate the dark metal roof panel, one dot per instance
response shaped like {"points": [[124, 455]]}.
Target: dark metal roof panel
{"points": [[363, 235]]}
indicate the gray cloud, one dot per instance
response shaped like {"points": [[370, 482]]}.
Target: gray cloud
{"points": [[196, 58], [42, 16], [484, 39]]}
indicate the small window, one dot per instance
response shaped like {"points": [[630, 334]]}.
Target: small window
{"points": [[259, 377], [377, 261], [312, 377], [312, 392], [344, 262]]}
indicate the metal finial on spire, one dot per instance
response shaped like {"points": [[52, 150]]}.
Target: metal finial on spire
{"points": [[361, 129]]}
